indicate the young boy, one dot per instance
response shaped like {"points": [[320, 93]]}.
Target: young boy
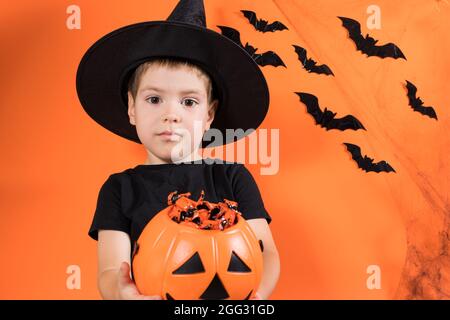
{"points": [[171, 92]]}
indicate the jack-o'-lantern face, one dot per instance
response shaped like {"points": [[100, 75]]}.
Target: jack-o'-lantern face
{"points": [[177, 261], [216, 288]]}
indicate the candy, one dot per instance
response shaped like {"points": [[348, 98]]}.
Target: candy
{"points": [[202, 214]]}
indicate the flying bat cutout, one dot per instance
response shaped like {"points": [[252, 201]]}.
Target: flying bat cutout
{"points": [[367, 44], [416, 103], [365, 163], [263, 25], [262, 59], [326, 118], [309, 64]]}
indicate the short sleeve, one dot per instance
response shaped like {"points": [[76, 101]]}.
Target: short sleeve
{"points": [[247, 195], [108, 213]]}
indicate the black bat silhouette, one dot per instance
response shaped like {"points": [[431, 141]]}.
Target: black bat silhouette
{"points": [[326, 118], [310, 64], [262, 25], [262, 59], [416, 103], [366, 163], [368, 45]]}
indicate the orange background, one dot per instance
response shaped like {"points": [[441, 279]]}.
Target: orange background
{"points": [[330, 219]]}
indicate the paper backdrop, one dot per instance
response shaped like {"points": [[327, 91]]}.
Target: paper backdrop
{"points": [[342, 233]]}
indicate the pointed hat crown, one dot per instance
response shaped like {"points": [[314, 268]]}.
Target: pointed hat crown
{"points": [[189, 11]]}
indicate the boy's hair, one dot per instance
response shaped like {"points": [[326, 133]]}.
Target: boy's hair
{"points": [[135, 78]]}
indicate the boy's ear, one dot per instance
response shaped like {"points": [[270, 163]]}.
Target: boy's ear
{"points": [[212, 111], [131, 114]]}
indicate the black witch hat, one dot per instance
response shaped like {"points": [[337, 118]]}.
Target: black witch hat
{"points": [[106, 67]]}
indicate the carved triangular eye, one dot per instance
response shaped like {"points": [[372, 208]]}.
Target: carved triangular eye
{"points": [[237, 265], [193, 265]]}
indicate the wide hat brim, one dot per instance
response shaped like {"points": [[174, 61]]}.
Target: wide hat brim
{"points": [[106, 67]]}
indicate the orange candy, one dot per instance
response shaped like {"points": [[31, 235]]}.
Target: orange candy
{"points": [[202, 214]]}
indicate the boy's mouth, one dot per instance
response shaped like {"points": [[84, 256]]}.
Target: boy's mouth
{"points": [[167, 132], [170, 135]]}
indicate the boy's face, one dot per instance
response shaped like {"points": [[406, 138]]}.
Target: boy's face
{"points": [[170, 100]]}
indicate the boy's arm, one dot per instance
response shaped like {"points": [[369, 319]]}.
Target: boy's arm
{"points": [[271, 258], [113, 249], [114, 281]]}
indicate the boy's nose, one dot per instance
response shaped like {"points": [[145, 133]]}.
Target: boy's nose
{"points": [[172, 117], [170, 113]]}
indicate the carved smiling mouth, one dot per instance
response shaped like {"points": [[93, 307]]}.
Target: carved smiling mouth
{"points": [[215, 291]]}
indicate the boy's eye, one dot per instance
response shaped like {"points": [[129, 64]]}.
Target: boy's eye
{"points": [[191, 102], [188, 102], [153, 100]]}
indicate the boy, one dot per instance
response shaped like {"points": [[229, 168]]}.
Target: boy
{"points": [[171, 90]]}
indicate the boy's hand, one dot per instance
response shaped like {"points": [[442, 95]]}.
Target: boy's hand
{"points": [[127, 289]]}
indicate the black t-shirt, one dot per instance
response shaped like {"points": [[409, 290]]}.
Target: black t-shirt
{"points": [[128, 200]]}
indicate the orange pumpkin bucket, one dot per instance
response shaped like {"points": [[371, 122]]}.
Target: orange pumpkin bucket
{"points": [[198, 250]]}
